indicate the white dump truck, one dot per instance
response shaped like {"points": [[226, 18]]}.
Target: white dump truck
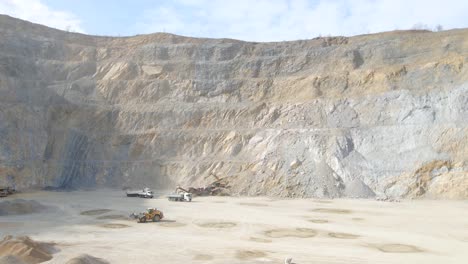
{"points": [[180, 197], [145, 193]]}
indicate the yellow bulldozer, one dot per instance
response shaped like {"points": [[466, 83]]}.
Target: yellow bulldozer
{"points": [[151, 214]]}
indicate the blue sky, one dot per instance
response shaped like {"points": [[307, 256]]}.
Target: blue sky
{"points": [[260, 20]]}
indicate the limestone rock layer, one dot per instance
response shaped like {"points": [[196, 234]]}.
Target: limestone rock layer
{"points": [[308, 118]]}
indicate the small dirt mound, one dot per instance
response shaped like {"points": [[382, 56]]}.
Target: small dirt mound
{"points": [[260, 240], [293, 232], [202, 257], [254, 204], [26, 249], [86, 259], [217, 224], [357, 219], [332, 210], [250, 254], [10, 225], [397, 248], [358, 189], [318, 221], [171, 223], [323, 201], [342, 235], [21, 207], [11, 260], [113, 226], [114, 217], [96, 212]]}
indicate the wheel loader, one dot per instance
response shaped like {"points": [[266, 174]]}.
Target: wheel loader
{"points": [[151, 214]]}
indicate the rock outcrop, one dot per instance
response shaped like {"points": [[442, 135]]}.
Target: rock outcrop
{"points": [[302, 118]]}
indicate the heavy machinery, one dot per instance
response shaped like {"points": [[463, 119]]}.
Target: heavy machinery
{"points": [[218, 187], [151, 214], [180, 195], [145, 193], [5, 191]]}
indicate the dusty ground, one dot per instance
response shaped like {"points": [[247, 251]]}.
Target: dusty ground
{"points": [[246, 230]]}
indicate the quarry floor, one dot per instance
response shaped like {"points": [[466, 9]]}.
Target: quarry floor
{"points": [[245, 229]]}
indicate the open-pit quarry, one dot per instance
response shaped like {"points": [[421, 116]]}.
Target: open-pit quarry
{"points": [[233, 230], [332, 150]]}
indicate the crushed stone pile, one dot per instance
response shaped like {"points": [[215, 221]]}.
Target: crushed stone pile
{"points": [[24, 250], [358, 189], [86, 259], [20, 207], [11, 260]]}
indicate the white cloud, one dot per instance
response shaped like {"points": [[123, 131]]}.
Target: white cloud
{"points": [[276, 20], [37, 12]]}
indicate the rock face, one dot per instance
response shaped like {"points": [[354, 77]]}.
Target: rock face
{"points": [[302, 118]]}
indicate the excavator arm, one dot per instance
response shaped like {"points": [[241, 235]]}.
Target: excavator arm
{"points": [[180, 189]]}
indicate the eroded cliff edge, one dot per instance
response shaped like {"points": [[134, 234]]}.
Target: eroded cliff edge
{"points": [[323, 117]]}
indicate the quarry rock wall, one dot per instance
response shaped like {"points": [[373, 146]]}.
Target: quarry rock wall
{"points": [[383, 114]]}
